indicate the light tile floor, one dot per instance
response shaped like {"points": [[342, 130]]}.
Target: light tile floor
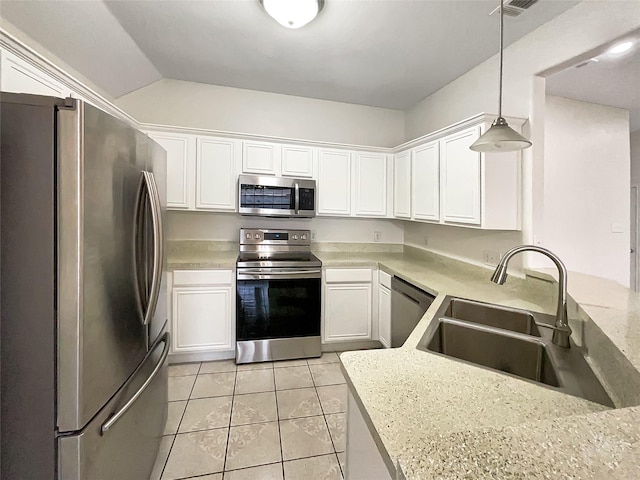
{"points": [[264, 421]]}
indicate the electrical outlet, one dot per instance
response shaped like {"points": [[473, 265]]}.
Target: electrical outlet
{"points": [[491, 258], [377, 236], [313, 235]]}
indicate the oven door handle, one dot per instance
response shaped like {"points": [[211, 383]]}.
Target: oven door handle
{"points": [[266, 275]]}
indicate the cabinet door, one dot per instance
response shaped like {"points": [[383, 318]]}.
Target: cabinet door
{"points": [[347, 312], [425, 185], [384, 316], [371, 184], [202, 319], [334, 182], [180, 168], [297, 161], [260, 157], [460, 180], [216, 174], [20, 77], [402, 185]]}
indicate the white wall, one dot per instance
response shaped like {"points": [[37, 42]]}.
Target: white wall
{"points": [[198, 105], [467, 244], [635, 157], [225, 227], [586, 187]]}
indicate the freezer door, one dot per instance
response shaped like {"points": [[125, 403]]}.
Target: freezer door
{"points": [[101, 339], [122, 441]]}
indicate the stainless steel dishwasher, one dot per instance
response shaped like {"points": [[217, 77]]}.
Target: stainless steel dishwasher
{"points": [[408, 305]]}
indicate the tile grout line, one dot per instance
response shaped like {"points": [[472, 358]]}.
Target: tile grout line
{"points": [[275, 394], [175, 435], [324, 415], [233, 397]]}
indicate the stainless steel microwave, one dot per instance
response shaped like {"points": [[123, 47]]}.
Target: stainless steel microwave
{"points": [[276, 197]]}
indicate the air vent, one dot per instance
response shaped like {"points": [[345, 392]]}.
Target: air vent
{"points": [[514, 8]]}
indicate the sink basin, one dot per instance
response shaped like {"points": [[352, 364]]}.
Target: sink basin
{"points": [[493, 316], [523, 357], [511, 341]]}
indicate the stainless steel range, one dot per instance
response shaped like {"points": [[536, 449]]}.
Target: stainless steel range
{"points": [[278, 296]]}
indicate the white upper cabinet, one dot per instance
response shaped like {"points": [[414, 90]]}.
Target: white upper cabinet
{"points": [[297, 161], [371, 184], [217, 160], [460, 178], [334, 182], [425, 186], [261, 158], [20, 77], [402, 185], [180, 168]]}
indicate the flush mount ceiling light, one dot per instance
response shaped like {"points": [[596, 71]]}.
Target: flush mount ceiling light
{"points": [[500, 137], [293, 13]]}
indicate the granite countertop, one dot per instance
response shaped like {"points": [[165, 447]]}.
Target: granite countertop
{"points": [[436, 418]]}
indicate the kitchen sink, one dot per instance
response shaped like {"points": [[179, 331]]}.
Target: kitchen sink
{"points": [[523, 357], [500, 317], [511, 341]]}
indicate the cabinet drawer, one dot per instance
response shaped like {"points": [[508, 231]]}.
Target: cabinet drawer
{"points": [[346, 275], [203, 277], [385, 279]]}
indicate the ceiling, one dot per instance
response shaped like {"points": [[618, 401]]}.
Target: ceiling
{"points": [[385, 53], [610, 81]]}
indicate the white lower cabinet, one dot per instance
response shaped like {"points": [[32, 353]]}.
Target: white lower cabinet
{"points": [[347, 304], [202, 311], [384, 309]]}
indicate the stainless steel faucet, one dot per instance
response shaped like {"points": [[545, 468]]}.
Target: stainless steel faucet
{"points": [[561, 331]]}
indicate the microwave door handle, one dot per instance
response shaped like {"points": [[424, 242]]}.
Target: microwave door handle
{"points": [[297, 198]]}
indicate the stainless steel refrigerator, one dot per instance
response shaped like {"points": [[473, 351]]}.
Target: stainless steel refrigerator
{"points": [[83, 370]]}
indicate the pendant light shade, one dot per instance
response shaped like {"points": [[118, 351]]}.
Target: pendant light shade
{"points": [[293, 13], [500, 137]]}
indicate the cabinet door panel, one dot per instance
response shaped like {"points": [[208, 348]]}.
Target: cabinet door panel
{"points": [[180, 169], [461, 195], [334, 183], [216, 174], [384, 319], [371, 185], [297, 161], [426, 182], [201, 319], [402, 185], [260, 157], [347, 312]]}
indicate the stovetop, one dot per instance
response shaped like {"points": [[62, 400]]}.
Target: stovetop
{"points": [[246, 260]]}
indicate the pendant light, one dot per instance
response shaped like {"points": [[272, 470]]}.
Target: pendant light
{"points": [[500, 137], [293, 13]]}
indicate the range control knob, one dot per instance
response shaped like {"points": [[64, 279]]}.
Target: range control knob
{"points": [[257, 236], [247, 235], [295, 237], [303, 236]]}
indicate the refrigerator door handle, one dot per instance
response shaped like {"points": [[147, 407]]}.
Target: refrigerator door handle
{"points": [[147, 296], [165, 351]]}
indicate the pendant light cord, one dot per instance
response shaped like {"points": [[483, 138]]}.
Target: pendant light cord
{"points": [[501, 60]]}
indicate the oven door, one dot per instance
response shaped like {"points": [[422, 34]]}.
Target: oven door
{"points": [[278, 303]]}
